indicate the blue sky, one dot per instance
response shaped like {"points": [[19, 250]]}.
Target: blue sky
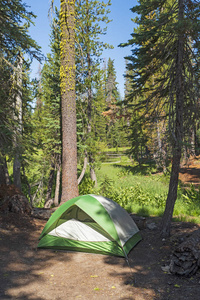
{"points": [[118, 31]]}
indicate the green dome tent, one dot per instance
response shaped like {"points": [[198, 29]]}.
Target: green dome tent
{"points": [[90, 223]]}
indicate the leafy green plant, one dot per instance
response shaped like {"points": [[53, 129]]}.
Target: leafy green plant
{"points": [[106, 186], [192, 195], [86, 186], [123, 173]]}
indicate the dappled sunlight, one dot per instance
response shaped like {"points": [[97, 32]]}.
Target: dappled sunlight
{"points": [[27, 273], [21, 265], [143, 274]]}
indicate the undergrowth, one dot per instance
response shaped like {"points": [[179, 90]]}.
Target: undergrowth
{"points": [[143, 192]]}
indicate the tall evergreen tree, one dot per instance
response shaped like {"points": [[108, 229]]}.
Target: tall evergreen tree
{"points": [[167, 42], [113, 109], [68, 100], [17, 138], [99, 122], [89, 49], [14, 38], [112, 93], [13, 34], [51, 99]]}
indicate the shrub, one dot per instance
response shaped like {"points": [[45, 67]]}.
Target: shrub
{"points": [[86, 186], [192, 195]]}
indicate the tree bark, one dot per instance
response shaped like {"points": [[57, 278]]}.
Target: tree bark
{"points": [[92, 171], [193, 143], [68, 101], [50, 183], [28, 185], [178, 135], [57, 190], [89, 115], [17, 171], [172, 193], [162, 158], [18, 129], [4, 176], [40, 184], [84, 168]]}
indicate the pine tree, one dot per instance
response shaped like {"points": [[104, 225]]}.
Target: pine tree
{"points": [[99, 122], [167, 43], [68, 100], [88, 50], [51, 99], [14, 38], [113, 109], [112, 93], [13, 13], [17, 138]]}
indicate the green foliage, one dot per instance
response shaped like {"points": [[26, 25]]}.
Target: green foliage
{"points": [[164, 68], [89, 76], [106, 186], [137, 195], [191, 200], [86, 186], [128, 196], [192, 195], [15, 41], [144, 194], [14, 35]]}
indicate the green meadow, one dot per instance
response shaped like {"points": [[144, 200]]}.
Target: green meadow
{"points": [[140, 190]]}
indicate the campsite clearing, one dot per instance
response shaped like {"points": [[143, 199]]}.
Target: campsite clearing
{"points": [[28, 273]]}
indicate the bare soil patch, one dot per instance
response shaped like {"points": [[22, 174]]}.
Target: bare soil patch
{"points": [[28, 273], [190, 173]]}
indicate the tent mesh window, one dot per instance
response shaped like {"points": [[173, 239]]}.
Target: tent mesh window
{"points": [[77, 214]]}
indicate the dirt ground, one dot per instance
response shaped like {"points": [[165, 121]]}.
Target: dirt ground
{"points": [[30, 274]]}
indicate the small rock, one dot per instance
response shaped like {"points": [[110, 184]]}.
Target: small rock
{"points": [[166, 269], [151, 226]]}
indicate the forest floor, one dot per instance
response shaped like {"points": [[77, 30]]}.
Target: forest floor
{"points": [[30, 274]]}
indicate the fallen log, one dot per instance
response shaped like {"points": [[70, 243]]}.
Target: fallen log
{"points": [[185, 259]]}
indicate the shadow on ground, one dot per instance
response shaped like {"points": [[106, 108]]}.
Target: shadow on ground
{"points": [[145, 278], [21, 265], [30, 274]]}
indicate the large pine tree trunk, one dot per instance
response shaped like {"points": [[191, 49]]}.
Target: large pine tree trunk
{"points": [[17, 171], [178, 134], [68, 101], [18, 129]]}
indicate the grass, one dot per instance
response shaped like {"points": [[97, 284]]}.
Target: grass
{"points": [[119, 149], [123, 176], [185, 218], [142, 191]]}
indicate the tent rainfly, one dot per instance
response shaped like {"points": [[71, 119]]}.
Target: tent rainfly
{"points": [[90, 223]]}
